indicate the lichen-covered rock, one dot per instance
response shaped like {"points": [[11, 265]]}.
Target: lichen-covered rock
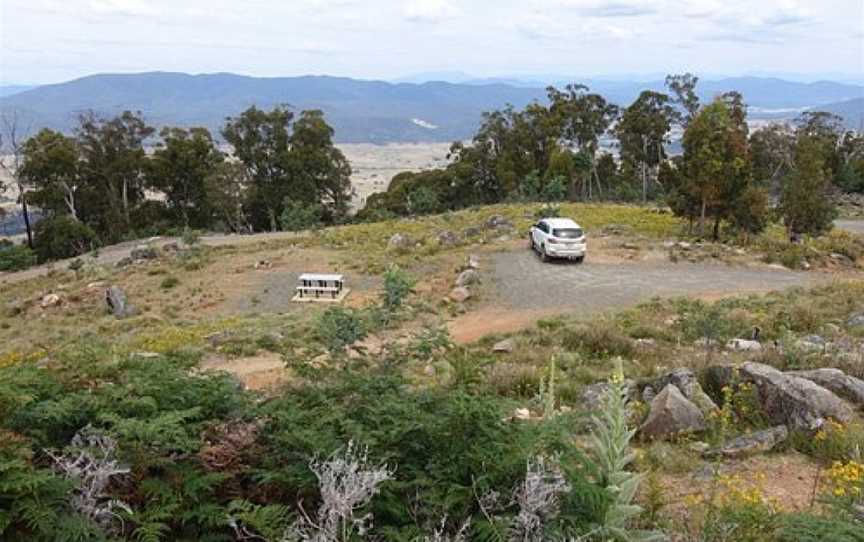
{"points": [[786, 398], [399, 242], [447, 238], [460, 294], [144, 252], [591, 395], [498, 222], [468, 278], [503, 347], [671, 414], [847, 387], [856, 320], [754, 443], [743, 345], [685, 380], [117, 303]]}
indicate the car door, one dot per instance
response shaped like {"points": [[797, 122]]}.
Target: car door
{"points": [[539, 234]]}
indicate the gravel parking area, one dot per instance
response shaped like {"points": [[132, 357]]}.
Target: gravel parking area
{"points": [[523, 282], [856, 226]]}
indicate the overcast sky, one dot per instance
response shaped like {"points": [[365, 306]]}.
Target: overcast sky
{"points": [[45, 41]]}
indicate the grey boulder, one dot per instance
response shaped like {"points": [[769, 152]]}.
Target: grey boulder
{"points": [[754, 443], [117, 303], [847, 387], [671, 414], [685, 380]]}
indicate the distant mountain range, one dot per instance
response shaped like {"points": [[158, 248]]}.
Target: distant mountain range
{"points": [[365, 111]]}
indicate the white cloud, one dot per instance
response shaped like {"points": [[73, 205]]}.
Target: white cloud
{"points": [[123, 7], [430, 10]]}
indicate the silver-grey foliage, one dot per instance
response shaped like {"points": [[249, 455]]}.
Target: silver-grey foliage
{"points": [[347, 482], [89, 463], [538, 498]]}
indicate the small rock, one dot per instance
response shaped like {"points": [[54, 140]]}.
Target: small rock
{"points": [[744, 345], [811, 343], [630, 246], [50, 300], [460, 294], [145, 355], [473, 262], [805, 265], [468, 277], [683, 245], [447, 238], [263, 264], [647, 344], [471, 231], [856, 320], [429, 370], [144, 252], [498, 222], [754, 443], [96, 285], [399, 242], [173, 246], [699, 447], [521, 414], [124, 262], [503, 347], [671, 414]]}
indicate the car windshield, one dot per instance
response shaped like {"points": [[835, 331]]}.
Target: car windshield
{"points": [[568, 233]]}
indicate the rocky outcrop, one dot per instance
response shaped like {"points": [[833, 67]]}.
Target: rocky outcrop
{"points": [[685, 380], [591, 396], [847, 387], [117, 303], [786, 398], [447, 238], [856, 320], [671, 414], [754, 443], [144, 252]]}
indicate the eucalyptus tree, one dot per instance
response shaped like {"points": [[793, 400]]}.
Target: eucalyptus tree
{"points": [[643, 133]]}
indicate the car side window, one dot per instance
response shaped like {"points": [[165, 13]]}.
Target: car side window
{"points": [[543, 227]]}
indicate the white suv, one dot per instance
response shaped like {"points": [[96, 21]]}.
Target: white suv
{"points": [[558, 238]]}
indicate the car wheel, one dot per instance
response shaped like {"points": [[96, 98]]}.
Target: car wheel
{"points": [[543, 256], [531, 242], [580, 259]]}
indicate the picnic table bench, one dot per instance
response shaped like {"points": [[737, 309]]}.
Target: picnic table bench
{"points": [[316, 285]]}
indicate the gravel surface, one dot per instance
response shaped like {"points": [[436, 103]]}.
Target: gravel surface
{"points": [[522, 281], [856, 226]]}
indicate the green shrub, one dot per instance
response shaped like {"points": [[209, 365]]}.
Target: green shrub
{"points": [[169, 283], [810, 528], [61, 237], [601, 339], [339, 328], [16, 257], [397, 285]]}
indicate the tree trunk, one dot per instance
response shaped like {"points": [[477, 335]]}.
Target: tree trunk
{"points": [[702, 214], [26, 214], [717, 228], [126, 204]]}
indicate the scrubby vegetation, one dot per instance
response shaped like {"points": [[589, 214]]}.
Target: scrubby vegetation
{"points": [[424, 439]]}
